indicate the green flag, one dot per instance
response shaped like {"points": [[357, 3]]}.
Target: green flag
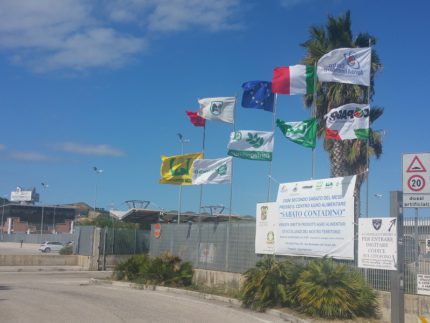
{"points": [[301, 132]]}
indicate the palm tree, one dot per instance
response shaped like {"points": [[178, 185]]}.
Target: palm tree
{"points": [[347, 157]]}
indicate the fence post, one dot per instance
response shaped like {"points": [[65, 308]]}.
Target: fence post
{"points": [[397, 277], [135, 240], [104, 247]]}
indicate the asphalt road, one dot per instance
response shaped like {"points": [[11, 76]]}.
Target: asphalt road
{"points": [[67, 297]]}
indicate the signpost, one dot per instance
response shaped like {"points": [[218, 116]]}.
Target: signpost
{"points": [[377, 243], [416, 180], [416, 194]]}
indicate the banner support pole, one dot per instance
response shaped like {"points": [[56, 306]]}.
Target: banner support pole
{"points": [[270, 163]]}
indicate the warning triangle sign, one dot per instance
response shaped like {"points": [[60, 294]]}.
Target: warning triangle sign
{"points": [[416, 166]]}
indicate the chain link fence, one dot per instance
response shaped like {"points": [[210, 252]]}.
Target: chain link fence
{"points": [[231, 248]]}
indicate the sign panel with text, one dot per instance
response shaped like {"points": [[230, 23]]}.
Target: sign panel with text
{"points": [[316, 218], [377, 243], [266, 227]]}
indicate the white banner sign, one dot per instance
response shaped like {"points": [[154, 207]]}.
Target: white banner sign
{"points": [[266, 226], [316, 218], [377, 243], [423, 284]]}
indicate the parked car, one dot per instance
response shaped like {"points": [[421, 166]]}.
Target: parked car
{"points": [[49, 246]]}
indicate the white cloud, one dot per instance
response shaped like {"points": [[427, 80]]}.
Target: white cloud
{"points": [[170, 15], [78, 34], [28, 156], [97, 150], [2, 146]]}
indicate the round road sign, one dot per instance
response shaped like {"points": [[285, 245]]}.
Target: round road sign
{"points": [[157, 230], [416, 183]]}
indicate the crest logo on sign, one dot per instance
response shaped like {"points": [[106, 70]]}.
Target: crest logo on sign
{"points": [[377, 223]]}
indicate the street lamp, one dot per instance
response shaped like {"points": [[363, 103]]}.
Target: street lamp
{"points": [[182, 140], [98, 172], [2, 215], [45, 186]]}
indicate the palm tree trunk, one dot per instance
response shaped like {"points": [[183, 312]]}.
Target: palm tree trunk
{"points": [[337, 160]]}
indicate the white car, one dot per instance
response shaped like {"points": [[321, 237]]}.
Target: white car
{"points": [[49, 246]]}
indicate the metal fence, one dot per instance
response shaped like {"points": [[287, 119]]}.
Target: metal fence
{"points": [[121, 241], [231, 248]]}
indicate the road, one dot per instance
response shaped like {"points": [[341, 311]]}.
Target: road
{"points": [[14, 248], [67, 297]]}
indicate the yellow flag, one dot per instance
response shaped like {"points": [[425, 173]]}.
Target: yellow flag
{"points": [[178, 169]]}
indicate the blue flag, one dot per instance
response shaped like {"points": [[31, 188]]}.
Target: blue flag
{"points": [[258, 95]]}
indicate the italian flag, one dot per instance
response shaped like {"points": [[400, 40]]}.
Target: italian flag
{"points": [[291, 80]]}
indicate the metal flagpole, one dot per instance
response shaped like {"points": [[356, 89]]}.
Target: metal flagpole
{"points": [[313, 113], [201, 185], [270, 163], [368, 139], [231, 182], [231, 195]]}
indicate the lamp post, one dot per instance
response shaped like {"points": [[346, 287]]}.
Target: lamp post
{"points": [[182, 140], [2, 216], [45, 186], [98, 172]]}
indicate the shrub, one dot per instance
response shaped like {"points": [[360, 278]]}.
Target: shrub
{"points": [[66, 250], [166, 270], [269, 284], [330, 290], [132, 269]]}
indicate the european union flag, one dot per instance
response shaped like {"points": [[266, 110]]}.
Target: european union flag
{"points": [[258, 95]]}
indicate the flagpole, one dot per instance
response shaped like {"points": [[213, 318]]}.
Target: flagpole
{"points": [[201, 186], [227, 245], [313, 113], [270, 163], [368, 138]]}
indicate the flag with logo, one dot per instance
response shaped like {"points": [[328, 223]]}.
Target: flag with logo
{"points": [[196, 119], [302, 132], [346, 65], [291, 80], [217, 109], [212, 171], [350, 121], [178, 169], [251, 144], [258, 95]]}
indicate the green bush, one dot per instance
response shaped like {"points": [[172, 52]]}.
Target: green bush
{"points": [[132, 269], [270, 284], [331, 291], [165, 270], [66, 250]]}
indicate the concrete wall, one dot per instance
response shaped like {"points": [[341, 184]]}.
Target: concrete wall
{"points": [[223, 279], [39, 260]]}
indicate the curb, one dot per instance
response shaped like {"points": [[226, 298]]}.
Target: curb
{"points": [[231, 301], [12, 269]]}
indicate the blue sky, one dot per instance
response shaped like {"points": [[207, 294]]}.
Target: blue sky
{"points": [[107, 83]]}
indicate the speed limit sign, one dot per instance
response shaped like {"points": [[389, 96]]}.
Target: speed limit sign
{"points": [[416, 183], [416, 178]]}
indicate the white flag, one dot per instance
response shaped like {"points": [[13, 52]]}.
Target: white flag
{"points": [[346, 65], [218, 109], [349, 121], [251, 144], [212, 171]]}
